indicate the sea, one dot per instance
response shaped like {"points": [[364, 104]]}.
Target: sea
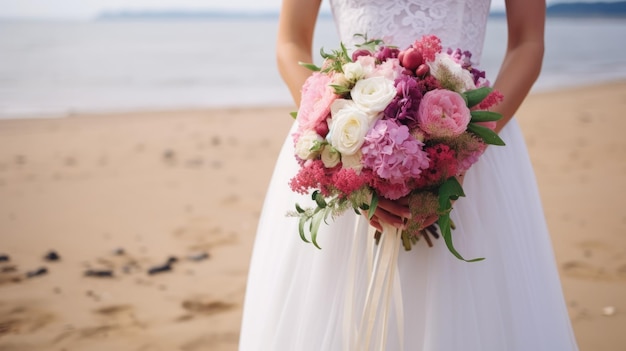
{"points": [[57, 68]]}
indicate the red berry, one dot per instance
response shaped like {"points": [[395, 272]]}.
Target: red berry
{"points": [[422, 70], [412, 58]]}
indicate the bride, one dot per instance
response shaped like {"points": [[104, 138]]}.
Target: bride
{"points": [[297, 295]]}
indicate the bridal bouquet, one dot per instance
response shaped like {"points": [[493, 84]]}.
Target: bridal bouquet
{"points": [[393, 123]]}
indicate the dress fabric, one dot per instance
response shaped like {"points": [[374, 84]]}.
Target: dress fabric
{"points": [[296, 294]]}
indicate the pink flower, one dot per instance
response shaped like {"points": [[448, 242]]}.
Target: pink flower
{"points": [[443, 164], [389, 69], [468, 158], [394, 155], [443, 113], [429, 45], [347, 181], [388, 190], [494, 98], [311, 175], [317, 96]]}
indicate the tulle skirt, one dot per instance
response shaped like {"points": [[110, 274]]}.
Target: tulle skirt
{"points": [[296, 294]]}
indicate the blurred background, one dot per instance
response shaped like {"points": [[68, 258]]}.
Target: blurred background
{"points": [[137, 139], [71, 56]]}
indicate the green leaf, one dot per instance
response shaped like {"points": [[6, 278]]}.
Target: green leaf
{"points": [[318, 145], [340, 89], [319, 199], [373, 206], [299, 209], [316, 221], [488, 135], [474, 97], [446, 232], [451, 189], [301, 223], [344, 51], [294, 114], [310, 66], [485, 116]]}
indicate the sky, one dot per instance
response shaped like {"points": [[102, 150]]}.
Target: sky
{"points": [[86, 9]]}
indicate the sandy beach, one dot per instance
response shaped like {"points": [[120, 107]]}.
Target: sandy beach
{"points": [[133, 231]]}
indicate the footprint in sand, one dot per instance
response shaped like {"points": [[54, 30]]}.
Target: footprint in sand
{"points": [[114, 319], [206, 307], [203, 307], [211, 341], [22, 318], [585, 270]]}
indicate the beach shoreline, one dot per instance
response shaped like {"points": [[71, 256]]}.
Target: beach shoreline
{"points": [[152, 215]]}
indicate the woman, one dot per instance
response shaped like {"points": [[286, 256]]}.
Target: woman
{"points": [[296, 295]]}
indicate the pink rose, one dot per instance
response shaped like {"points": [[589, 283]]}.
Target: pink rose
{"points": [[443, 113], [317, 96]]}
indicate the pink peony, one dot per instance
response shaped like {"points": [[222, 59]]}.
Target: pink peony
{"points": [[317, 96], [443, 113]]}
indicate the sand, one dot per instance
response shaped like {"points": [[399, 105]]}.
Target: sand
{"points": [[114, 195]]}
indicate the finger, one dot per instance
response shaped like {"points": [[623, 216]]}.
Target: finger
{"points": [[376, 224], [392, 219], [399, 207]]}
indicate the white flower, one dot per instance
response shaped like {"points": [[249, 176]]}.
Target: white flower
{"points": [[352, 161], [340, 79], [451, 74], [348, 127], [305, 143], [373, 94], [330, 156], [353, 71]]}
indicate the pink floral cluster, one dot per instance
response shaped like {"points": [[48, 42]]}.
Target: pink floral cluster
{"points": [[394, 155], [406, 112]]}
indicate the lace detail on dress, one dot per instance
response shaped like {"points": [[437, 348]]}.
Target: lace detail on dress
{"points": [[459, 23]]}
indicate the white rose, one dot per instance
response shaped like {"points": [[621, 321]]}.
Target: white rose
{"points": [[330, 156], [305, 143], [373, 94], [348, 127], [353, 71], [451, 74], [352, 161]]}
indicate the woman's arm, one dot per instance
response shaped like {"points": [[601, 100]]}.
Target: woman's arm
{"points": [[524, 55], [296, 27]]}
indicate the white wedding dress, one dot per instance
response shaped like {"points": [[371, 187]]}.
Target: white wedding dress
{"points": [[511, 301]]}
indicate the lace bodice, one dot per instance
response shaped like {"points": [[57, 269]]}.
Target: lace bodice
{"points": [[459, 23]]}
